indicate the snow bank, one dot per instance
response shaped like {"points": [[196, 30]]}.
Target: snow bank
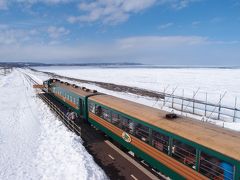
{"points": [[34, 144]]}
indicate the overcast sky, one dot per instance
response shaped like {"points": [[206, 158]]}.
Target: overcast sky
{"points": [[165, 32]]}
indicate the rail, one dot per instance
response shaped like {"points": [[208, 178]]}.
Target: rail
{"points": [[68, 123]]}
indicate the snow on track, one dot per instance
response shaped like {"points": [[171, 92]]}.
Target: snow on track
{"points": [[34, 144]]}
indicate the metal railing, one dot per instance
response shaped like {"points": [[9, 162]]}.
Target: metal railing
{"points": [[204, 108], [70, 124]]}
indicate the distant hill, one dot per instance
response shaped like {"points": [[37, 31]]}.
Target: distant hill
{"points": [[32, 64], [117, 65]]}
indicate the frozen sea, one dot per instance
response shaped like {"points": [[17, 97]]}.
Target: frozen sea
{"points": [[214, 81]]}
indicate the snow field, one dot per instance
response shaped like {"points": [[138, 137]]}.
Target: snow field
{"points": [[187, 81], [34, 144]]}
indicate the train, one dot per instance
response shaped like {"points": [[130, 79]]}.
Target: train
{"points": [[179, 147]]}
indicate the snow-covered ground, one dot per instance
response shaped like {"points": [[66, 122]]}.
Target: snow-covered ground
{"points": [[34, 144]]}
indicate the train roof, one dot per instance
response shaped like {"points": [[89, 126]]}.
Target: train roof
{"points": [[211, 136], [77, 90]]}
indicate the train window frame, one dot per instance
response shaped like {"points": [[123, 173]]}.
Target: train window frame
{"points": [[141, 135], [127, 124], [94, 107], [184, 155], [160, 143], [106, 114], [116, 121], [211, 165], [98, 110]]}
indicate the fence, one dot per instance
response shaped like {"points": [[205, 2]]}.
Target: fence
{"points": [[209, 110]]}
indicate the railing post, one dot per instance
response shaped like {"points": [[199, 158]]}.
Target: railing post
{"points": [[235, 109], [182, 101], [172, 97], [206, 105], [193, 102], [164, 96], [219, 107]]}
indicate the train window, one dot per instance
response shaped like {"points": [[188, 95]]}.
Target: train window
{"points": [[215, 168], [160, 141], [116, 120], [184, 153], [68, 97], [99, 111], [128, 125], [106, 114], [91, 107], [142, 132]]}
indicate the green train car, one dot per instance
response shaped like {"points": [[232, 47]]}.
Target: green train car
{"points": [[70, 95], [179, 147]]}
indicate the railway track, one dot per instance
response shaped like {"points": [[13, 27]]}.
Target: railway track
{"points": [[69, 124], [116, 163]]}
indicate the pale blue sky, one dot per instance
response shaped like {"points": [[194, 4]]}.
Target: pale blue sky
{"points": [[165, 32]]}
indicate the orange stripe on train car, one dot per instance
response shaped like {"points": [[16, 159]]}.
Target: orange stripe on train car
{"points": [[66, 100]]}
